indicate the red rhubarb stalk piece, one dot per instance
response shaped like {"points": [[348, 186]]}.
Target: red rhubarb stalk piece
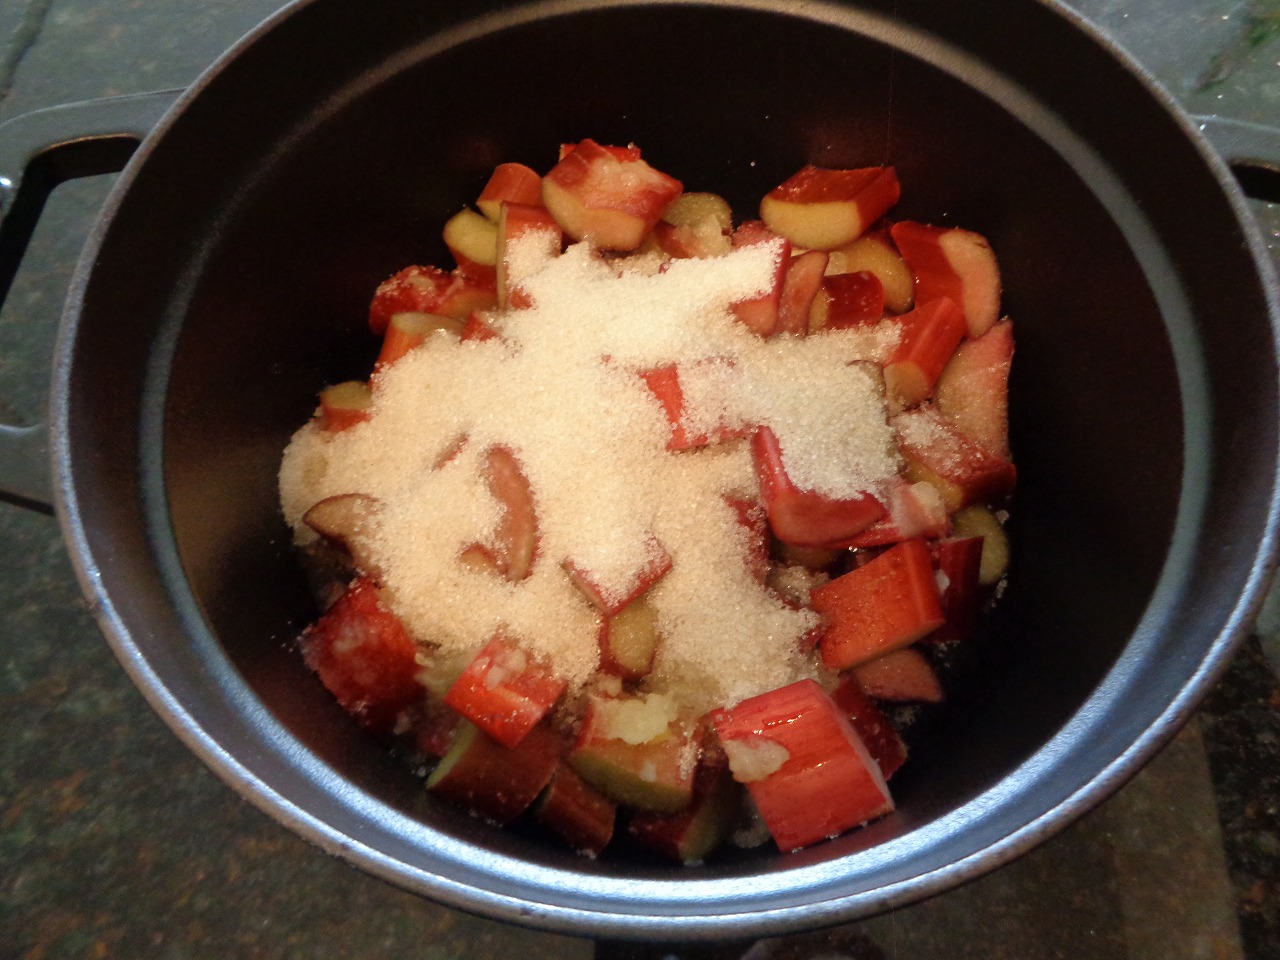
{"points": [[343, 405], [806, 518], [516, 538], [958, 563], [629, 640], [611, 199], [930, 334], [610, 598], [420, 289], [890, 603], [664, 383], [364, 657], [807, 770], [581, 815], [955, 263], [760, 314], [853, 300], [915, 510], [900, 676], [936, 452], [801, 284], [505, 691], [973, 390], [495, 781], [512, 182], [409, 330], [694, 833], [881, 738], [517, 221], [821, 209]]}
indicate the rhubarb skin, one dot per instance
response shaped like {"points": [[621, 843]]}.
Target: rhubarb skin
{"points": [[821, 209], [959, 561], [495, 781], [936, 452], [582, 816], [364, 657], [760, 314], [511, 182], [424, 289], [880, 736], [505, 691], [664, 383], [955, 263], [900, 676], [930, 334], [827, 784], [973, 390], [853, 300], [805, 518], [610, 602], [890, 603]]}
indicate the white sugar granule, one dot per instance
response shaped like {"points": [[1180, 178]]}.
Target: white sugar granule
{"points": [[562, 391]]}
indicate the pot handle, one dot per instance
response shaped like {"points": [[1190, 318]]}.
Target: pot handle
{"points": [[1251, 150], [38, 151]]}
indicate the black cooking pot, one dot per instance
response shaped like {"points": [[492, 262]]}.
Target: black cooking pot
{"points": [[230, 273]]}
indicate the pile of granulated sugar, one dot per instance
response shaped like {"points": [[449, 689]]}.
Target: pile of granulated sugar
{"points": [[561, 389]]}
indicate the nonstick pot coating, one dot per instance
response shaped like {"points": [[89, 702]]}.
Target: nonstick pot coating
{"points": [[232, 280]]}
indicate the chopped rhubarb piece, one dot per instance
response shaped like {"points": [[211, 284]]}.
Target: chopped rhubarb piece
{"points": [[664, 383], [955, 263], [963, 472], [695, 225], [853, 300], [495, 781], [801, 284], [890, 603], [874, 252], [754, 522], [805, 766], [349, 521], [915, 510], [477, 327], [365, 657], [694, 833], [582, 816], [505, 691], [973, 390], [514, 183], [610, 598], [901, 676], [629, 640], [881, 738], [804, 517], [958, 563], [822, 209], [613, 202], [635, 752], [760, 314], [434, 728], [472, 238], [930, 334], [409, 330], [516, 538], [977, 521], [343, 405], [420, 289], [520, 222]]}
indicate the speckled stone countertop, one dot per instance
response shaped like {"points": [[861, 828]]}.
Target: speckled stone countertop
{"points": [[116, 842]]}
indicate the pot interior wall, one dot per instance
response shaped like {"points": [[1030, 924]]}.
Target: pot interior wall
{"points": [[301, 190]]}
